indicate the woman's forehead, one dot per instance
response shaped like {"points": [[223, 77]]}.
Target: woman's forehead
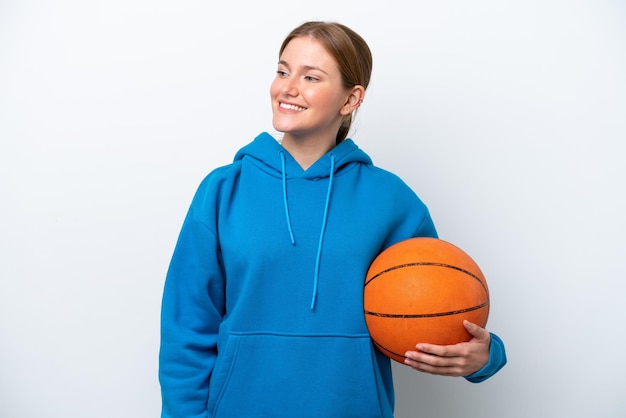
{"points": [[309, 53]]}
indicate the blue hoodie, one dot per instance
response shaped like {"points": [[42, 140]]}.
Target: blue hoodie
{"points": [[262, 311]]}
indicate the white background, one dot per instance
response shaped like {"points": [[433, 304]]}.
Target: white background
{"points": [[508, 118]]}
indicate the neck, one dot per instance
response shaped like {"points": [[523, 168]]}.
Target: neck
{"points": [[306, 152]]}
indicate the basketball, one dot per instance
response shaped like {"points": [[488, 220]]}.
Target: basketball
{"points": [[419, 291]]}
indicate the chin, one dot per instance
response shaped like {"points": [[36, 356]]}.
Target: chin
{"points": [[281, 127]]}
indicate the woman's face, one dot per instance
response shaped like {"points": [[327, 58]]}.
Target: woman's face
{"points": [[308, 97]]}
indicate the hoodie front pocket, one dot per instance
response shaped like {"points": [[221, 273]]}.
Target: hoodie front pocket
{"points": [[277, 375]]}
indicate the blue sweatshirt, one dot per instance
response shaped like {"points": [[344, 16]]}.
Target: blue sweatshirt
{"points": [[262, 311]]}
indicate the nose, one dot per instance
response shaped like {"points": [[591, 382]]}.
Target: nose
{"points": [[290, 87]]}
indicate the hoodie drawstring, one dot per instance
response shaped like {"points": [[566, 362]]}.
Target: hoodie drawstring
{"points": [[282, 161], [318, 258]]}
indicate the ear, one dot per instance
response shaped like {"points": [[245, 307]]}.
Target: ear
{"points": [[355, 97]]}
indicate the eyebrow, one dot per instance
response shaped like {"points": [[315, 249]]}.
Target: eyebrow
{"points": [[306, 67]]}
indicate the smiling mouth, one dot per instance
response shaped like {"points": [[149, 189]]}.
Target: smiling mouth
{"points": [[291, 107]]}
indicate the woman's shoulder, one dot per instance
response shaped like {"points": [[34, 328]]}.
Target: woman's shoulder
{"points": [[219, 176], [385, 178]]}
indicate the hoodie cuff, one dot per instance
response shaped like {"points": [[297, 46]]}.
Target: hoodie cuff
{"points": [[497, 360]]}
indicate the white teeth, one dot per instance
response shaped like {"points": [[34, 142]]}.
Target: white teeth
{"points": [[292, 107]]}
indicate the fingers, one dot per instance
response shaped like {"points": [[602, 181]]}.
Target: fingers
{"points": [[452, 360], [433, 364], [443, 351], [436, 350], [481, 335], [476, 331]]}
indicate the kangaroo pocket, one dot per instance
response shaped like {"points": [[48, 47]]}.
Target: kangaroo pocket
{"points": [[274, 375]]}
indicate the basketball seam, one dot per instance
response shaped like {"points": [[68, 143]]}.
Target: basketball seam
{"points": [[427, 315], [383, 348], [424, 263]]}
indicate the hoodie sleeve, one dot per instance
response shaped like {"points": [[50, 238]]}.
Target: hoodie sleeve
{"points": [[497, 360], [192, 307], [426, 227]]}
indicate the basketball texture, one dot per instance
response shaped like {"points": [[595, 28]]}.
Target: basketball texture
{"points": [[419, 291]]}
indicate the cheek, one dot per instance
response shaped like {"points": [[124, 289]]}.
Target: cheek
{"points": [[274, 88], [314, 95], [326, 99]]}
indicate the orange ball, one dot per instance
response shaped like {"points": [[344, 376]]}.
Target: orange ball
{"points": [[419, 291]]}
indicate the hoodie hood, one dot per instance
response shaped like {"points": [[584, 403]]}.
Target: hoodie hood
{"points": [[267, 151], [276, 161]]}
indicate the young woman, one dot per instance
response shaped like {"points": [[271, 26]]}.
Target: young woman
{"points": [[262, 310]]}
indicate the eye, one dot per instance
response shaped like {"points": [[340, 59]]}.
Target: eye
{"points": [[311, 78], [281, 73]]}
